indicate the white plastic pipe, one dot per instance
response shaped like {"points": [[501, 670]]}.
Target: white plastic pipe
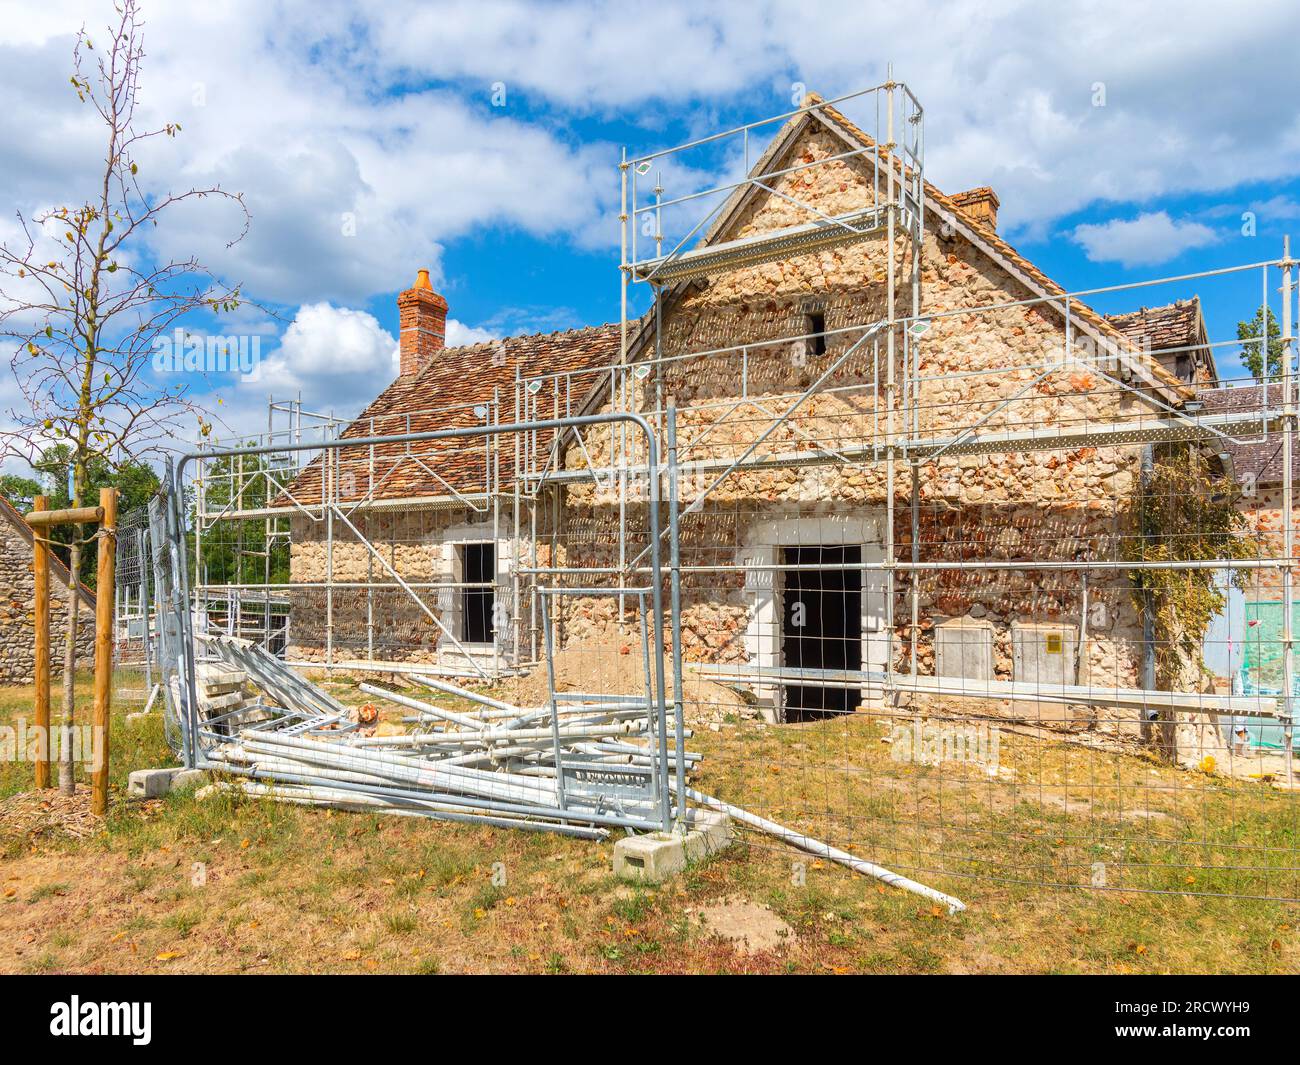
{"points": [[824, 850]]}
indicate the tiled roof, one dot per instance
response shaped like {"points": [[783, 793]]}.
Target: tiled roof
{"points": [[1260, 459], [1175, 325], [442, 396]]}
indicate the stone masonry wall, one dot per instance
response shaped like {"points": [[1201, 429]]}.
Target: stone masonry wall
{"points": [[985, 370], [384, 624], [17, 621]]}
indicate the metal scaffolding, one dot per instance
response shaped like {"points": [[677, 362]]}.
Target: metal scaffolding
{"points": [[646, 478]]}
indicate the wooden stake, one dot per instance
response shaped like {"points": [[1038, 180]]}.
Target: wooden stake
{"points": [[41, 665], [104, 592]]}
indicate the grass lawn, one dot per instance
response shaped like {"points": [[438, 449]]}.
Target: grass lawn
{"points": [[229, 884]]}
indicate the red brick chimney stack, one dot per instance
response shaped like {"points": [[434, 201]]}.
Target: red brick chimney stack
{"points": [[421, 324], [981, 204]]}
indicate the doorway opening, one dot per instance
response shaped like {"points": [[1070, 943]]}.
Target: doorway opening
{"points": [[821, 627], [479, 565]]}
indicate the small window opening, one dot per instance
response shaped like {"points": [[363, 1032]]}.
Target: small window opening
{"points": [[478, 603], [817, 330]]}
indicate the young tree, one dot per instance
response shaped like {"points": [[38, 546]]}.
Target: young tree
{"points": [[84, 298], [1251, 355]]}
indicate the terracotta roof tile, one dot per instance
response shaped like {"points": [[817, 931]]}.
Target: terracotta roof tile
{"points": [[1175, 325], [443, 396], [1260, 459]]}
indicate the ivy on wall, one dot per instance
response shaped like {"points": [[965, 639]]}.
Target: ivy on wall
{"points": [[1183, 513]]}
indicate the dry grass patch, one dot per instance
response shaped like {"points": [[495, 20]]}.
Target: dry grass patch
{"points": [[236, 885]]}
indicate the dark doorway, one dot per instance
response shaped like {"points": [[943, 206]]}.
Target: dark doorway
{"points": [[479, 567], [821, 626]]}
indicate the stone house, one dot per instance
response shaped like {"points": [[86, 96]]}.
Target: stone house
{"points": [[17, 596], [999, 355]]}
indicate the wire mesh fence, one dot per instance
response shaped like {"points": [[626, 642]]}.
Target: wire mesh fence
{"points": [[133, 653]]}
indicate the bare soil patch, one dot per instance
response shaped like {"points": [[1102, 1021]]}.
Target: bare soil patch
{"points": [[752, 928]]}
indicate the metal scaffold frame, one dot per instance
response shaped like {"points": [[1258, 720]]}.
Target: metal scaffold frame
{"points": [[621, 433], [203, 733]]}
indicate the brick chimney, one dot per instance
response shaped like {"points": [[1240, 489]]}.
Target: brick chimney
{"points": [[981, 204], [421, 324]]}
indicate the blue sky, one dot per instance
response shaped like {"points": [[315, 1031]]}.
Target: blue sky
{"points": [[1124, 144]]}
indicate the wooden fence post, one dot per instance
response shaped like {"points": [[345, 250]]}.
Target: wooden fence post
{"points": [[104, 592], [41, 664]]}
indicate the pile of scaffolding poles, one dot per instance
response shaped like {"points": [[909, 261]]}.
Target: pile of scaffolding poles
{"points": [[492, 763]]}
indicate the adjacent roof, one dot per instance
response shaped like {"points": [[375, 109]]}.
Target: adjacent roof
{"points": [[1175, 325], [1259, 459], [443, 395], [58, 571], [1171, 333]]}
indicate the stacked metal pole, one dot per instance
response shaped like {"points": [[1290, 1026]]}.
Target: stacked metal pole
{"points": [[490, 762]]}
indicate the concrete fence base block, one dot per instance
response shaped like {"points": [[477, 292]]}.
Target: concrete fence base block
{"points": [[659, 856], [155, 783]]}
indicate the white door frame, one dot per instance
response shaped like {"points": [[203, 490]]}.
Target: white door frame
{"points": [[762, 548]]}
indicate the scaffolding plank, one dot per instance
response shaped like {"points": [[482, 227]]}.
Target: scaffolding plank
{"points": [[766, 247], [1049, 438]]}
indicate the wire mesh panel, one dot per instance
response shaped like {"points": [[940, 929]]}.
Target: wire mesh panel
{"points": [[172, 614], [133, 607], [426, 592], [1032, 634]]}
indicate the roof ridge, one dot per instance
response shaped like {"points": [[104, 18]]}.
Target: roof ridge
{"points": [[535, 336], [1173, 305]]}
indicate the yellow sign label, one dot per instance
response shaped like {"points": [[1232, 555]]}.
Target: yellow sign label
{"points": [[1053, 643]]}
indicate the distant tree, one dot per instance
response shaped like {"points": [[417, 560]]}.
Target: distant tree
{"points": [[1251, 355], [242, 555], [20, 491], [85, 300]]}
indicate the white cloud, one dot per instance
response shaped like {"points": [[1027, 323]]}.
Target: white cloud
{"points": [[364, 138], [326, 347], [1148, 239], [1009, 97], [383, 113], [336, 358], [1277, 209], [350, 176], [459, 334]]}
